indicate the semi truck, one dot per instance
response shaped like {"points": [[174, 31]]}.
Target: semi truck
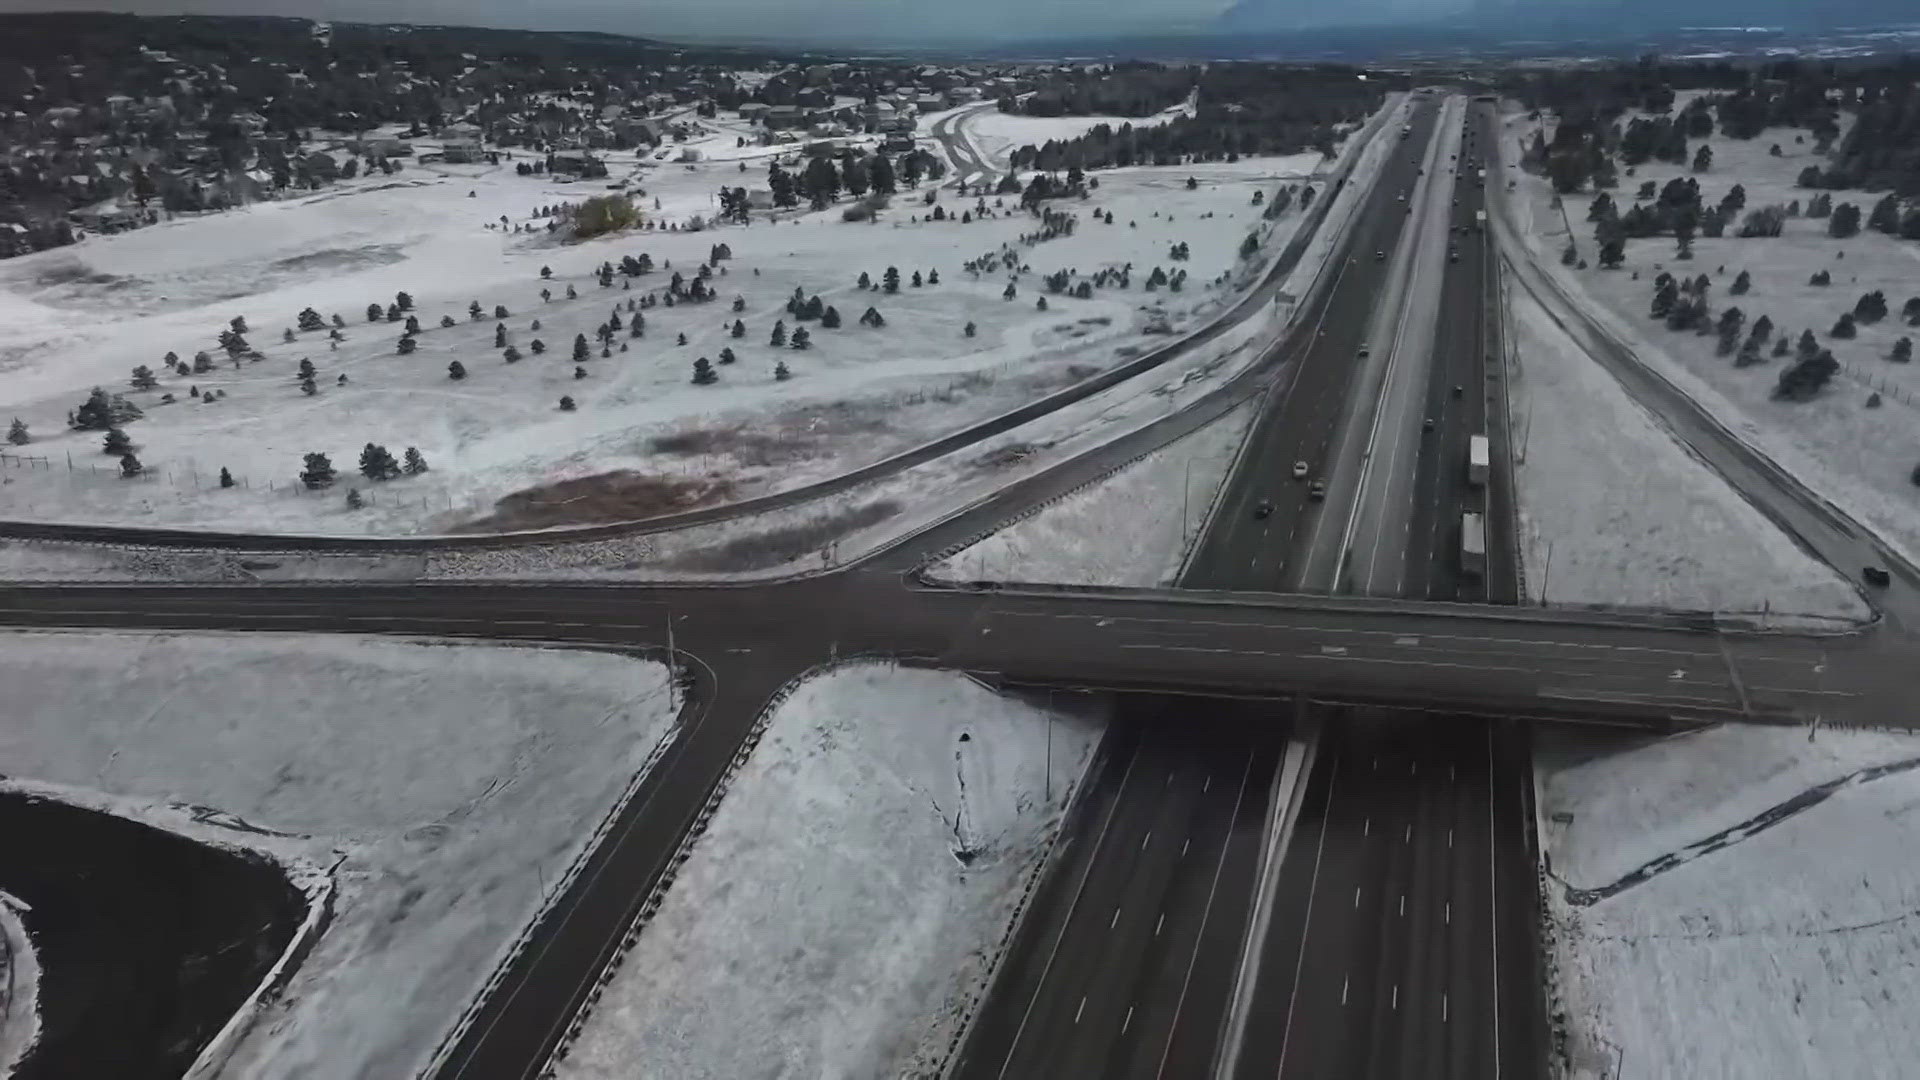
{"points": [[1473, 544], [1477, 460], [1480, 221]]}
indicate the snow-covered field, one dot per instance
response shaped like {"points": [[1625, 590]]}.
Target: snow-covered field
{"points": [[1781, 942], [1615, 511], [644, 440], [1132, 528], [19, 987], [845, 907], [996, 135], [443, 790], [1857, 456]]}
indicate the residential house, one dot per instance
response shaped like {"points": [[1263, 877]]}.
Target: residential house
{"points": [[753, 110], [460, 151], [785, 117]]}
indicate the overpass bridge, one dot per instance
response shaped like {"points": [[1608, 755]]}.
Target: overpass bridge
{"points": [[1646, 669]]}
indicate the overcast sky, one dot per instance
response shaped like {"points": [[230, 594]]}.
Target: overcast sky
{"points": [[851, 21]]}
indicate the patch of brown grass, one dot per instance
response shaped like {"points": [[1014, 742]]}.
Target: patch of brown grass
{"points": [[620, 495]]}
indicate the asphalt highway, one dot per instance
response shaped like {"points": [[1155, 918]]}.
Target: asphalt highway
{"points": [[1110, 976], [1302, 415]]}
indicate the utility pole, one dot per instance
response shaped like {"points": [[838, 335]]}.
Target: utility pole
{"points": [[673, 675], [1049, 780], [1546, 574]]}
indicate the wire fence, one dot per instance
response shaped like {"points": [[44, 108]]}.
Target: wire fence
{"points": [[111, 475], [1880, 385]]}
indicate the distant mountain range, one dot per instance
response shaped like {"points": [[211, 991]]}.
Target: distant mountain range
{"points": [[1557, 18]]}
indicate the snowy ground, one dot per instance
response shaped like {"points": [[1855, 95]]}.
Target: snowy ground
{"points": [[1780, 942], [1858, 457], [996, 135], [843, 911], [447, 789], [1132, 528], [1615, 511], [644, 439], [812, 536], [19, 986]]}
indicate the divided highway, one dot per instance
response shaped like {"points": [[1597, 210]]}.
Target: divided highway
{"points": [[1403, 939], [1126, 966]]}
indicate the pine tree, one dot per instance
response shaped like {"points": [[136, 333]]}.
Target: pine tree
{"points": [[537, 346], [130, 466], [413, 325], [1844, 328], [579, 372], [318, 471], [580, 350], [143, 378], [1845, 221], [416, 463], [309, 387], [546, 272], [703, 372], [499, 335], [226, 478], [1040, 304], [456, 371], [778, 339], [865, 281], [916, 279], [512, 355], [801, 339], [971, 329], [780, 371], [566, 403], [116, 442], [1011, 292], [1902, 352], [474, 312], [354, 499], [890, 281], [338, 322], [17, 434], [373, 312], [739, 328], [394, 313], [830, 318], [933, 277], [377, 464]]}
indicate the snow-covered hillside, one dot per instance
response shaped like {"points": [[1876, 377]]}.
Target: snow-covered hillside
{"points": [[1614, 511], [644, 439], [442, 790], [1860, 456], [847, 902], [1734, 903]]}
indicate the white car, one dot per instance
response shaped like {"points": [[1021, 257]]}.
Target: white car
{"points": [[1299, 470]]}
